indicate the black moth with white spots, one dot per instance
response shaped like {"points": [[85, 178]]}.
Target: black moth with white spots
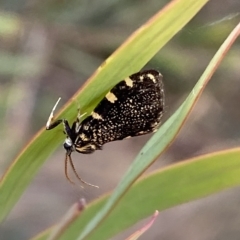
{"points": [[132, 108]]}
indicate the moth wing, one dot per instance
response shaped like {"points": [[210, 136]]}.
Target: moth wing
{"points": [[133, 107]]}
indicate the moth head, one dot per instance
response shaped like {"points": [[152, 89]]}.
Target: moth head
{"points": [[68, 145], [84, 143]]}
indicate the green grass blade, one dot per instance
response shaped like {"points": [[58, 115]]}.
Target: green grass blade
{"points": [[157, 144], [171, 186], [129, 58]]}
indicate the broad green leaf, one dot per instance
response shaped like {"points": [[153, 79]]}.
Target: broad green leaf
{"points": [[171, 186], [129, 58]]}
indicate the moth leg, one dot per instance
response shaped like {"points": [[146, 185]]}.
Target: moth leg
{"points": [[77, 123], [50, 122]]}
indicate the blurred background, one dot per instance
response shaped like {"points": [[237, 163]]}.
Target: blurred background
{"points": [[49, 49]]}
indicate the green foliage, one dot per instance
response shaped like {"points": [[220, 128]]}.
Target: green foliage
{"points": [[166, 188]]}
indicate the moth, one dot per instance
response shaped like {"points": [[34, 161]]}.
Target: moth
{"points": [[133, 107]]}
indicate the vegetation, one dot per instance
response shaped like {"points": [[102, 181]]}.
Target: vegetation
{"points": [[58, 41]]}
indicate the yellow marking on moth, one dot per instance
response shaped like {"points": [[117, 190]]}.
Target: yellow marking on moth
{"points": [[111, 97], [129, 82], [84, 137], [82, 149], [96, 115], [86, 127], [151, 77], [94, 135]]}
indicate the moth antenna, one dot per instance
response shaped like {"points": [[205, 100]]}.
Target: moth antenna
{"points": [[68, 157], [66, 170], [51, 116]]}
